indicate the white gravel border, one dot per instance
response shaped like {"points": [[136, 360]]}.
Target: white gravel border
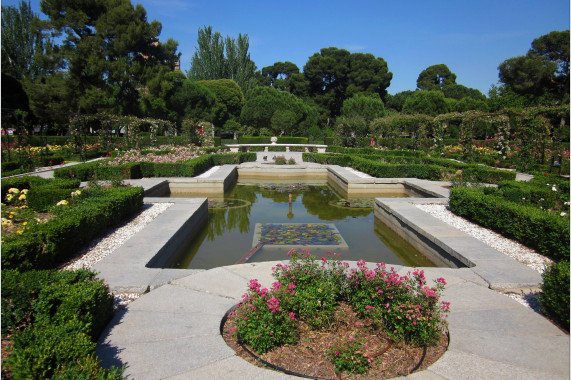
{"points": [[105, 245], [504, 245]]}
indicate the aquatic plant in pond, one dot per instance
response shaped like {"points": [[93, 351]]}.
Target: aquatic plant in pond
{"points": [[299, 234]]}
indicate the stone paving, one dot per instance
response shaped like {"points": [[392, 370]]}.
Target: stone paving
{"points": [[173, 332]]}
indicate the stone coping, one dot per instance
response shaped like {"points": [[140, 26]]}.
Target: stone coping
{"points": [[130, 270]]}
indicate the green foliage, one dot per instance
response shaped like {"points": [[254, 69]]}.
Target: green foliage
{"points": [[40, 350], [554, 297], [348, 355], [542, 230], [262, 323], [407, 308], [229, 100], [87, 302], [281, 112], [54, 318], [435, 77], [336, 74], [20, 292], [47, 244], [368, 107], [209, 61], [21, 40], [425, 102]]}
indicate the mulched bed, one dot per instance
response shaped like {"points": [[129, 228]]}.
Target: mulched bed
{"points": [[308, 357]]}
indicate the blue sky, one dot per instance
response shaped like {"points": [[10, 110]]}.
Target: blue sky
{"points": [[472, 37]]}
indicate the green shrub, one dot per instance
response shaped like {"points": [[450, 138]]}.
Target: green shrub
{"points": [[538, 229], [88, 368], [41, 350], [47, 244], [42, 198], [88, 302], [554, 297]]}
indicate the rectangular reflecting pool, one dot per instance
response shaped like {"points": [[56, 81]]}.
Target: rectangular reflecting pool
{"points": [[261, 221]]}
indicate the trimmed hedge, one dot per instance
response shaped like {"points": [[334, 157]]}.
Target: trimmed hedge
{"points": [[546, 232], [554, 298], [267, 140], [411, 167], [55, 319], [90, 171], [47, 244]]}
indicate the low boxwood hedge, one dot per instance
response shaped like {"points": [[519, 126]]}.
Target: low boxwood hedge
{"points": [[97, 171], [47, 244], [54, 318], [554, 298], [544, 231], [411, 167]]}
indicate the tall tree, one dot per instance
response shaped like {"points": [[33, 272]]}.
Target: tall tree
{"points": [[435, 77], [279, 74], [426, 102], [241, 68], [336, 74], [21, 40], [107, 53], [209, 61], [543, 73]]}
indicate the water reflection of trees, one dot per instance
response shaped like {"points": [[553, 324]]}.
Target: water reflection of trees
{"points": [[223, 220], [316, 203]]}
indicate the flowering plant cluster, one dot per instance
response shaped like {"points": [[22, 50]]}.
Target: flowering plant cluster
{"points": [[163, 154], [16, 196], [310, 290], [262, 322], [404, 306], [349, 355]]}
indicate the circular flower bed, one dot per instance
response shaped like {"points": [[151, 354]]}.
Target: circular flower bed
{"points": [[321, 319]]}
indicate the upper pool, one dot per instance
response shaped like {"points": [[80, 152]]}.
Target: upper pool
{"points": [[280, 215]]}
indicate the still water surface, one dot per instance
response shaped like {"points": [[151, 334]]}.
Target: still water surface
{"points": [[229, 233]]}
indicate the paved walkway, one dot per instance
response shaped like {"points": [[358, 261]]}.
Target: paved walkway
{"points": [[173, 332]]}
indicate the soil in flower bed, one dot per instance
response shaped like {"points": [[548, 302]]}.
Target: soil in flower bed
{"points": [[308, 357]]}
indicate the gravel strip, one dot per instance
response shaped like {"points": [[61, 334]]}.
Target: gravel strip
{"points": [[104, 245], [504, 245]]}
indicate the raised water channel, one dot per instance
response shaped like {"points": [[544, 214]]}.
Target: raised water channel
{"points": [[261, 220]]}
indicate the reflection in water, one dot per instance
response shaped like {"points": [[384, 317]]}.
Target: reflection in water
{"points": [[229, 233]]}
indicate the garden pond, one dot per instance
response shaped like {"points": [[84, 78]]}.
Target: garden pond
{"points": [[261, 221]]}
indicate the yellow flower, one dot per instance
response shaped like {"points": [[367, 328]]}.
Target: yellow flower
{"points": [[13, 190], [19, 232], [23, 224], [25, 191], [61, 203], [22, 197]]}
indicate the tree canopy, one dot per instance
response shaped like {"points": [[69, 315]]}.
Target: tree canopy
{"points": [[210, 61], [435, 77], [336, 74], [543, 72], [426, 102], [279, 111]]}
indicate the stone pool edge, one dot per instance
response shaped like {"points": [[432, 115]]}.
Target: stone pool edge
{"points": [[126, 269]]}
